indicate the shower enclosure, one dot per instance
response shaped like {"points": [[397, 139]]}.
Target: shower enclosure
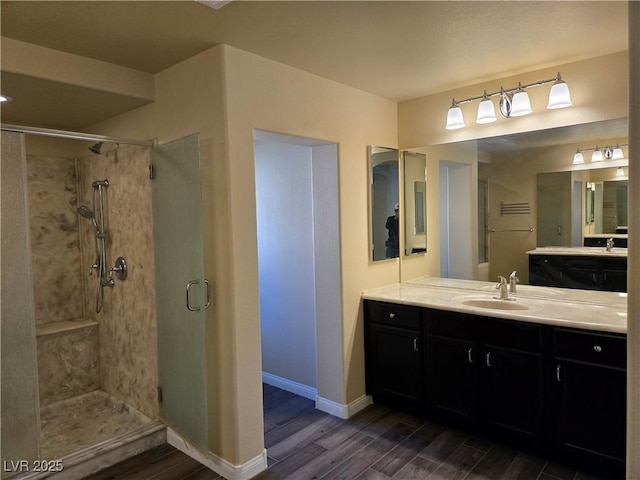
{"points": [[79, 361]]}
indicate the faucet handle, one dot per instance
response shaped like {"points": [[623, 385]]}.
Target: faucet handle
{"points": [[513, 280], [501, 281]]}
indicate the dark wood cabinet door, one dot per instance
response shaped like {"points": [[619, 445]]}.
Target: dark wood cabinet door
{"points": [[546, 270], [590, 412], [452, 379], [614, 280], [512, 394], [395, 367]]}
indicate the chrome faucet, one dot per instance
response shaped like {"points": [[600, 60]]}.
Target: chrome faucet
{"points": [[609, 244], [502, 285], [513, 280]]}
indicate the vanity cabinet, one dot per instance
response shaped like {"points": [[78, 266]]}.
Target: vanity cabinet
{"points": [[579, 271], [589, 397], [394, 355], [557, 391], [486, 374]]}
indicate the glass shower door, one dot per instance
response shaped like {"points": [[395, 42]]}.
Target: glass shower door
{"points": [[181, 293]]}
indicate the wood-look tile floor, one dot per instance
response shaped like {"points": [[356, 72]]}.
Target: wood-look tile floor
{"points": [[376, 444]]}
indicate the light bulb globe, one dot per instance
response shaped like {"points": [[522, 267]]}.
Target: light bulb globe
{"points": [[559, 96], [617, 154], [578, 158], [597, 156], [455, 119], [486, 112], [520, 104]]}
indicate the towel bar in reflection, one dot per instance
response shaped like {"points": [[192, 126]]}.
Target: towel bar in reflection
{"points": [[493, 230]]}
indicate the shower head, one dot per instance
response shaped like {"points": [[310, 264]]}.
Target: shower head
{"points": [[86, 212], [96, 148]]}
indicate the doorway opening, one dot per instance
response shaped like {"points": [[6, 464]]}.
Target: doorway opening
{"points": [[458, 249], [297, 215]]}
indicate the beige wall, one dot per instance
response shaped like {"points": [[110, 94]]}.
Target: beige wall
{"points": [[265, 95], [269, 96]]}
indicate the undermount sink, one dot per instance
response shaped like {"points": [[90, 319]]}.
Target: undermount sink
{"points": [[494, 304]]}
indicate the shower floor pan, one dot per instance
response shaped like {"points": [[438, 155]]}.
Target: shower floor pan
{"points": [[93, 431]]}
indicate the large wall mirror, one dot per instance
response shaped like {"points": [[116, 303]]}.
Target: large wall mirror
{"points": [[384, 214], [415, 203], [516, 223]]}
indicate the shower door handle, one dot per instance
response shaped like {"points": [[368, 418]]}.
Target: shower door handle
{"points": [[190, 307], [206, 282]]}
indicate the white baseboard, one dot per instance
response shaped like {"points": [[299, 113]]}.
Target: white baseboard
{"points": [[340, 410], [290, 386], [323, 404], [217, 464]]}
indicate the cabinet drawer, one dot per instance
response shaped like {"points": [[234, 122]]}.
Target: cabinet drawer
{"points": [[452, 324], [513, 334], [392, 314], [603, 349]]}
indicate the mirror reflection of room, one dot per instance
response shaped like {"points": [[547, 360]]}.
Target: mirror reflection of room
{"points": [[536, 170], [384, 194], [415, 203]]}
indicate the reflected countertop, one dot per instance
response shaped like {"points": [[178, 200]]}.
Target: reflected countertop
{"points": [[587, 309], [584, 251]]}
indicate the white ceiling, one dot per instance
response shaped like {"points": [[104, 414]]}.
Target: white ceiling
{"points": [[395, 49]]}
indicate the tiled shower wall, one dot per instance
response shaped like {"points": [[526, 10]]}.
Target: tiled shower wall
{"points": [[80, 350], [128, 335], [67, 346]]}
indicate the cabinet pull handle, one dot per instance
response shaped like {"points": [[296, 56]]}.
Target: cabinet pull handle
{"points": [[470, 355], [392, 315], [597, 348], [558, 378], [488, 359], [415, 344]]}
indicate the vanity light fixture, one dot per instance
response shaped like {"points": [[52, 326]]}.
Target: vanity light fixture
{"points": [[486, 110], [5, 98], [617, 153], [578, 158], [597, 156], [455, 119], [520, 104], [607, 153], [514, 102]]}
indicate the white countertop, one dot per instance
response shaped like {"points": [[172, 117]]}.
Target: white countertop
{"points": [[587, 309], [585, 251], [607, 235]]}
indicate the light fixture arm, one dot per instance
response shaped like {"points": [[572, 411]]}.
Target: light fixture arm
{"points": [[597, 147], [503, 91]]}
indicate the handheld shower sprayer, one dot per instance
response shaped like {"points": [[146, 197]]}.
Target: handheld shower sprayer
{"points": [[86, 212]]}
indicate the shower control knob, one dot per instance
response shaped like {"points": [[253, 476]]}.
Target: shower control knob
{"points": [[120, 268]]}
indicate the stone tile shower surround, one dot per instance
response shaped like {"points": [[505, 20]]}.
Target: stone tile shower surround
{"points": [[67, 345], [127, 332], [55, 248]]}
